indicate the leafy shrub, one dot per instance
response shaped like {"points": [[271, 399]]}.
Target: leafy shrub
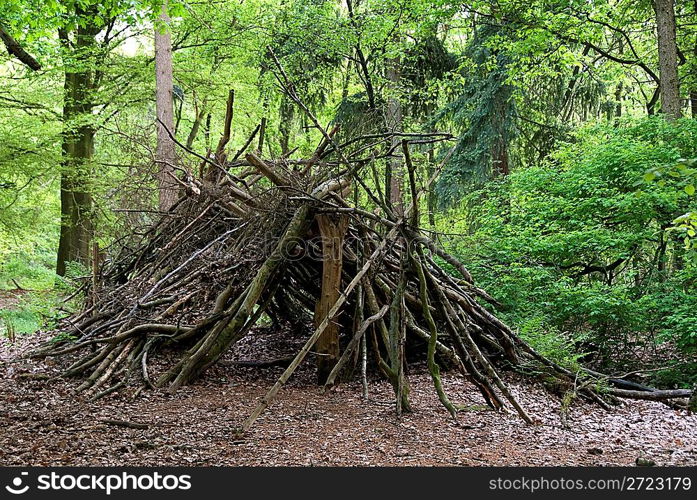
{"points": [[35, 311], [581, 247]]}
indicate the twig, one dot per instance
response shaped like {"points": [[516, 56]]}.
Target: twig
{"points": [[126, 423]]}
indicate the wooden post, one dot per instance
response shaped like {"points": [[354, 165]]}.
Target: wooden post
{"points": [[333, 230]]}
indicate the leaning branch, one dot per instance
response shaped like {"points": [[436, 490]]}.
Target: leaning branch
{"points": [[15, 49]]}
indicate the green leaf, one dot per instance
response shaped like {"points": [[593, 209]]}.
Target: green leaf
{"points": [[649, 176], [690, 189]]}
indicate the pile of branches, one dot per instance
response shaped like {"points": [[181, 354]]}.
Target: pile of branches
{"points": [[313, 241]]}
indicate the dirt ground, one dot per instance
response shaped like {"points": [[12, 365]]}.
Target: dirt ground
{"points": [[10, 298], [48, 423]]}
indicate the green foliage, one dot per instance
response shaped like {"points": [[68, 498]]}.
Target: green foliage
{"points": [[32, 270], [483, 111], [426, 63], [34, 311], [578, 245], [41, 303], [18, 322], [551, 343], [684, 174]]}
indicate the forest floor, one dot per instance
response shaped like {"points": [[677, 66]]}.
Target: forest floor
{"points": [[47, 423], [10, 298]]}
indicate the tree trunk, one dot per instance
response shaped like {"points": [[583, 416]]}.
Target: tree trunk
{"points": [[394, 174], [76, 199], [668, 59], [618, 100], [499, 158], [207, 132], [332, 230], [194, 129], [499, 147], [693, 91], [285, 125], [165, 156], [76, 228], [431, 198]]}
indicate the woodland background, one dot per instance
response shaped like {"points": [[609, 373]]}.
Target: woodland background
{"points": [[570, 195]]}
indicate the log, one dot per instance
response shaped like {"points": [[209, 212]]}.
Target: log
{"points": [[225, 138], [654, 395], [268, 171], [332, 230]]}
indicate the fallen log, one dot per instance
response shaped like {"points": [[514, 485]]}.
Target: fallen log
{"points": [[653, 395]]}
